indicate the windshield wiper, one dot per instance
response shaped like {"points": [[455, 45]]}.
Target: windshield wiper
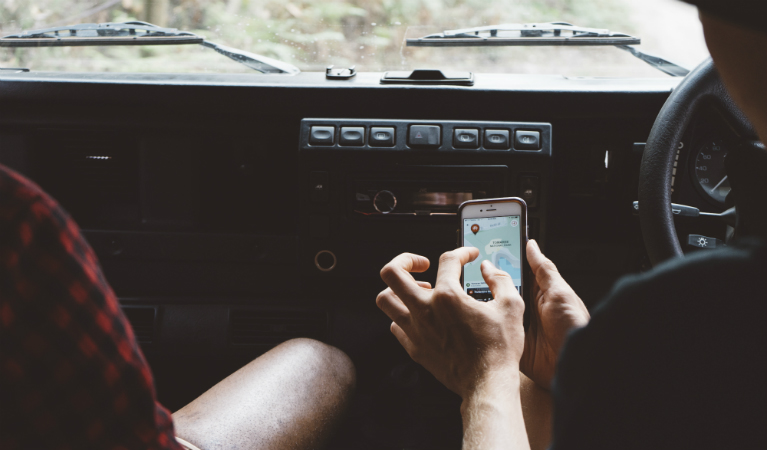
{"points": [[540, 34], [136, 33], [255, 62], [552, 33], [664, 65]]}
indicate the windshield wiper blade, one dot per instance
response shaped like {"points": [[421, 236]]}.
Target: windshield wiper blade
{"points": [[664, 65], [136, 33], [539, 34], [255, 62], [551, 33], [98, 34]]}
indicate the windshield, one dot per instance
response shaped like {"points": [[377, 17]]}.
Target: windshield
{"points": [[369, 34]]}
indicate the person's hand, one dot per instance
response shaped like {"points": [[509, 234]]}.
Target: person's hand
{"points": [[460, 340], [555, 310]]}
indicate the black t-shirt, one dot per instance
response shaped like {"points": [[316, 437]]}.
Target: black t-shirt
{"points": [[675, 358]]}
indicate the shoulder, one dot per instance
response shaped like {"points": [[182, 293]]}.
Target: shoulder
{"points": [[19, 196], [728, 275], [681, 314], [719, 290], [35, 230], [657, 362], [17, 189], [24, 208]]}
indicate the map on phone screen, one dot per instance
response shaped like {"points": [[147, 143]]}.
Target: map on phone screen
{"points": [[498, 241]]}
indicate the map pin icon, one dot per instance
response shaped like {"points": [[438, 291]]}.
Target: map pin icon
{"points": [[475, 228]]}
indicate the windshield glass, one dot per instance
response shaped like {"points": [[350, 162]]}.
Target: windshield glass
{"points": [[370, 34]]}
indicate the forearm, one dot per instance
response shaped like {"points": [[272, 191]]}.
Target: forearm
{"points": [[492, 414], [537, 411]]}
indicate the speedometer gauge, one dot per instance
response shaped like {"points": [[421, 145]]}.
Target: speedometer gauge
{"points": [[710, 175]]}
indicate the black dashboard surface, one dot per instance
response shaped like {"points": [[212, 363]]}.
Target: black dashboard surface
{"points": [[196, 191]]}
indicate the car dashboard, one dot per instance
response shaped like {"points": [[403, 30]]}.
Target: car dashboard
{"points": [[233, 212]]}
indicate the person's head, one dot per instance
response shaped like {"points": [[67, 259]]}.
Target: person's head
{"points": [[736, 35]]}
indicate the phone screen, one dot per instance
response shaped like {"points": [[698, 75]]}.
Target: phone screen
{"points": [[498, 241]]}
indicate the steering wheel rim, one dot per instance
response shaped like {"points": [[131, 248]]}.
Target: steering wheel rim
{"points": [[700, 88]]}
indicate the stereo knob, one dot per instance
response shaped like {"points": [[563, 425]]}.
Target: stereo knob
{"points": [[384, 202]]}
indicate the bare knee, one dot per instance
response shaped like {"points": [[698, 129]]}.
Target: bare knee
{"points": [[293, 396], [330, 363]]}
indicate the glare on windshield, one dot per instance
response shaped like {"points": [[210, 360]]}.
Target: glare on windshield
{"points": [[369, 34]]}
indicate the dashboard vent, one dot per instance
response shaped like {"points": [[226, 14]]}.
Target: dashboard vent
{"points": [[94, 175], [268, 328], [142, 320]]}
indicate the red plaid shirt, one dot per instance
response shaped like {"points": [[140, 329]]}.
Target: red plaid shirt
{"points": [[71, 373]]}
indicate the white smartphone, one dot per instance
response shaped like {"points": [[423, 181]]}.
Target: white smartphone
{"points": [[498, 228]]}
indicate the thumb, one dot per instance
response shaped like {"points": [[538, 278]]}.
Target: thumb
{"points": [[546, 273], [500, 283]]}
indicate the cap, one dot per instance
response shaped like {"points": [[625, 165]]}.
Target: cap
{"points": [[748, 13]]}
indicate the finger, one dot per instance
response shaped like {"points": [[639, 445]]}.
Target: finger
{"points": [[546, 273], [397, 276], [451, 263], [424, 284], [393, 307], [403, 339], [500, 283]]}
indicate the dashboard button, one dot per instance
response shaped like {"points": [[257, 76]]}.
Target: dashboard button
{"points": [[352, 136], [527, 140], [424, 136], [382, 137], [497, 139], [322, 135], [466, 138]]}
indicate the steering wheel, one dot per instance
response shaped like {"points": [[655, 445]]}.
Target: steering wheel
{"points": [[701, 88]]}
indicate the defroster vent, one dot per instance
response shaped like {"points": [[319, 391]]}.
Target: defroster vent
{"points": [[267, 328]]}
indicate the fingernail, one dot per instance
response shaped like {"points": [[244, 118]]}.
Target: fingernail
{"points": [[535, 244], [486, 264]]}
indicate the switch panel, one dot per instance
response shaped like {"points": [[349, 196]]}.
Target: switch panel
{"points": [[532, 139]]}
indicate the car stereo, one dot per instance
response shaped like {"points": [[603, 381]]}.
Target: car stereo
{"points": [[423, 192], [377, 188]]}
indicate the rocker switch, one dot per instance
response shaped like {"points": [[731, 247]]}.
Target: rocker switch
{"points": [[424, 136]]}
